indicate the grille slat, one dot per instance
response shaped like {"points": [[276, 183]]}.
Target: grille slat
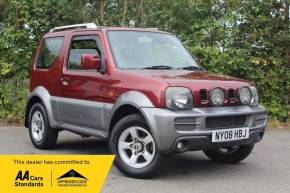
{"points": [[185, 123], [231, 93], [203, 95], [226, 121]]}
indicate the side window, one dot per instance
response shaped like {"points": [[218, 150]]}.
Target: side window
{"points": [[49, 52], [80, 46]]}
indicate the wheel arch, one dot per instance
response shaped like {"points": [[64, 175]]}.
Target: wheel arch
{"points": [[128, 103], [123, 111], [32, 100], [40, 95]]}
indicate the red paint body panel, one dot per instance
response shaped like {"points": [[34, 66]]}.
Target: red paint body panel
{"points": [[108, 86]]}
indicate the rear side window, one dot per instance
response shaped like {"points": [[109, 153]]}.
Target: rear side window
{"points": [[49, 52]]}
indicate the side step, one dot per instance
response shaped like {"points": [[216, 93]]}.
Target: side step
{"points": [[84, 131]]}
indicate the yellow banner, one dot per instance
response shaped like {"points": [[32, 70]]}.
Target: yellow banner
{"points": [[53, 173]]}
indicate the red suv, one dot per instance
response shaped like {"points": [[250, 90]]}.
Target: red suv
{"points": [[141, 90]]}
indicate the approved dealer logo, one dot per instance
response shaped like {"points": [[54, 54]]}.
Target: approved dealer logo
{"points": [[72, 178]]}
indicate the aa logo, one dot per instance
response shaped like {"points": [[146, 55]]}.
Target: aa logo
{"points": [[72, 178], [24, 179]]}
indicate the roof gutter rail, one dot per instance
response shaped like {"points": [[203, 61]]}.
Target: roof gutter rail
{"points": [[75, 26]]}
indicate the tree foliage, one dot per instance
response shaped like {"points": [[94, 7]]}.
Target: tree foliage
{"points": [[243, 38]]}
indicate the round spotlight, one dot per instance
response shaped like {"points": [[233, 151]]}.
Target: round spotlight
{"points": [[217, 97], [245, 95]]}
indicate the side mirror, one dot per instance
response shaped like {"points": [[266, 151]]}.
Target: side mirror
{"points": [[90, 62]]}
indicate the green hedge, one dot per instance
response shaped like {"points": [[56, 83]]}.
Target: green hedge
{"points": [[248, 39]]}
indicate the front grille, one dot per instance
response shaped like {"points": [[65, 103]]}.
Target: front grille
{"points": [[203, 95], [226, 121], [231, 93], [230, 97]]}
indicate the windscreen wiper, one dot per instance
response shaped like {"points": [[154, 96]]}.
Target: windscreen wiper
{"points": [[191, 68], [159, 67]]}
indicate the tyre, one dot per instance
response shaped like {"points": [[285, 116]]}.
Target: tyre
{"points": [[231, 155], [133, 144], [41, 134]]}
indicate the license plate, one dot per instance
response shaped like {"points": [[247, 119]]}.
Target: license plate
{"points": [[224, 135]]}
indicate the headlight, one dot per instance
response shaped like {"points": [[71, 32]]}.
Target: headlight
{"points": [[217, 97], [178, 98], [245, 95], [255, 97]]}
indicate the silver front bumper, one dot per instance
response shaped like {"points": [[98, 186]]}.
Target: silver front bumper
{"points": [[170, 126]]}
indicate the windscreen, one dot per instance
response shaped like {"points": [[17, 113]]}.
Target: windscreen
{"points": [[139, 49]]}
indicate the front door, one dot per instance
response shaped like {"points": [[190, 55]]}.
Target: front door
{"points": [[83, 93]]}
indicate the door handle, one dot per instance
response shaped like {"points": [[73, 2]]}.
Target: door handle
{"points": [[65, 81]]}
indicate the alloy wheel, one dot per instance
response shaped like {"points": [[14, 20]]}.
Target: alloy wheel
{"points": [[37, 126], [136, 147]]}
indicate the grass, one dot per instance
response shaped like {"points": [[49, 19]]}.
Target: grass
{"points": [[274, 124]]}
